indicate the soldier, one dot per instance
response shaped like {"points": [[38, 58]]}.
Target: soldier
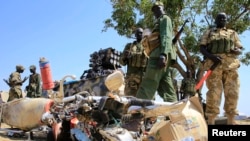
{"points": [[222, 46], [16, 82], [34, 87], [133, 56], [157, 76]]}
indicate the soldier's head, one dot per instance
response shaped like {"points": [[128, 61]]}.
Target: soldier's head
{"points": [[32, 68], [158, 9], [20, 68], [138, 34], [221, 20]]}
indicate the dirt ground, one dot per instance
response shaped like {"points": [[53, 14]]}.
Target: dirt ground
{"points": [[38, 136], [41, 136]]}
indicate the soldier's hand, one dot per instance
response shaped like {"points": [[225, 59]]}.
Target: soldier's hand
{"points": [[162, 62], [236, 51], [127, 54], [25, 78]]}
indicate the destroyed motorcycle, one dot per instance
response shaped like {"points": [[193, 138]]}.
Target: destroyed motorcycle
{"points": [[85, 117]]}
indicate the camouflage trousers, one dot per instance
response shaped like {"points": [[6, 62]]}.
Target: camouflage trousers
{"points": [[31, 91], [15, 93], [220, 81], [159, 80]]}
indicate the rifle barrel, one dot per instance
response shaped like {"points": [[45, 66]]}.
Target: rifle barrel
{"points": [[177, 36]]}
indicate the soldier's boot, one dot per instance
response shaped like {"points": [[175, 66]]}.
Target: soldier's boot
{"points": [[231, 120], [211, 120]]}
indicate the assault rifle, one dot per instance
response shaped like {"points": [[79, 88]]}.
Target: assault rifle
{"points": [[177, 36], [7, 82], [152, 41]]}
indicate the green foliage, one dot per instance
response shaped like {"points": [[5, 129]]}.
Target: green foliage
{"points": [[237, 11], [190, 43], [123, 18], [245, 59], [127, 15]]}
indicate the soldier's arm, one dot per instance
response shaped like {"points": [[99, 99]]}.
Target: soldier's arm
{"points": [[38, 87], [25, 78], [125, 54], [237, 50], [237, 41], [166, 35]]}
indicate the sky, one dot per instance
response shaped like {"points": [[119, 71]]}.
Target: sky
{"points": [[66, 32]]}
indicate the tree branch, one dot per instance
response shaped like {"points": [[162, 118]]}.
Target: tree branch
{"points": [[180, 69], [237, 17]]}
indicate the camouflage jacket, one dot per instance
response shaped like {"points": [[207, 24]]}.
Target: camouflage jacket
{"points": [[136, 58]]}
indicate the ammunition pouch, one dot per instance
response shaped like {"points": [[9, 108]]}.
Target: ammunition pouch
{"points": [[151, 42], [138, 60], [219, 46]]}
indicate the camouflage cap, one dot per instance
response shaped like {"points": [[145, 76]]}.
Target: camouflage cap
{"points": [[157, 3], [32, 67], [20, 67]]}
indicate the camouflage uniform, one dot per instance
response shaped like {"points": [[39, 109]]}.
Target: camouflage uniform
{"points": [[15, 88], [136, 64], [156, 79], [34, 87], [225, 77]]}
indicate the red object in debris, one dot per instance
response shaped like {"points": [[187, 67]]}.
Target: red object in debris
{"points": [[46, 74], [198, 86], [48, 106], [73, 122]]}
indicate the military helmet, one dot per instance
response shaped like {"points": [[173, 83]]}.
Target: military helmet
{"points": [[157, 3], [19, 67], [32, 67]]}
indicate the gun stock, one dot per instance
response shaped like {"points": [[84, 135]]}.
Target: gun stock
{"points": [[199, 84]]}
